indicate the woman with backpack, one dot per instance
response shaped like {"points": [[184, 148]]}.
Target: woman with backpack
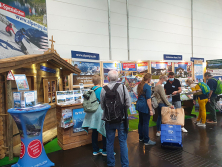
{"points": [[94, 120], [202, 98], [162, 101], [144, 107]]}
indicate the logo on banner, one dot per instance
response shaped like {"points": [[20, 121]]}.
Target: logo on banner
{"points": [[11, 9], [34, 148], [22, 153], [10, 76]]}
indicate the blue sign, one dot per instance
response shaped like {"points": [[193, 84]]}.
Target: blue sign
{"points": [[84, 55], [172, 57], [196, 58], [47, 69]]}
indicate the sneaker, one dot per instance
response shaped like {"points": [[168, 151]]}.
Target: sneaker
{"points": [[140, 140], [150, 143], [196, 122], [98, 152], [184, 130], [105, 153], [158, 134], [201, 124]]}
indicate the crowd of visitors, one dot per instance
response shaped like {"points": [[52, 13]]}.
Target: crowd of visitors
{"points": [[114, 100]]}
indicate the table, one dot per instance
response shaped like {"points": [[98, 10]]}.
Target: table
{"points": [[30, 124]]}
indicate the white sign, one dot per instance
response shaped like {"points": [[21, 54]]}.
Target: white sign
{"points": [[10, 76]]}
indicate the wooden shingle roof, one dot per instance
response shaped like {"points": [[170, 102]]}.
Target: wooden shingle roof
{"points": [[26, 60]]}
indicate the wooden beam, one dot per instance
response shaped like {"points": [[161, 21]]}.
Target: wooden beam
{"points": [[10, 120]]}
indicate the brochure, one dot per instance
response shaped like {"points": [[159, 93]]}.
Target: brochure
{"points": [[21, 82]]}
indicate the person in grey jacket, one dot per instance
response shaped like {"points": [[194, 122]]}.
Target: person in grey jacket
{"points": [[112, 127]]}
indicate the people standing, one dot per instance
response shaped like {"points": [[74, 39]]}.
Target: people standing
{"points": [[94, 120], [212, 83], [162, 101], [202, 101], [115, 100], [173, 87], [144, 107]]}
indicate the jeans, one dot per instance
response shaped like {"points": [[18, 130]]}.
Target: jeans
{"points": [[143, 127], [211, 108], [95, 141], [177, 104], [158, 123], [110, 137]]}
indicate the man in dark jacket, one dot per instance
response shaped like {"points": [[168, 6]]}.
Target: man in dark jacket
{"points": [[212, 83]]}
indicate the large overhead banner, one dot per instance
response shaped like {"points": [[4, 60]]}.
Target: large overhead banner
{"points": [[23, 27]]}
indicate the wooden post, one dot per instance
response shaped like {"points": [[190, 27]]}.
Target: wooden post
{"points": [[10, 121]]}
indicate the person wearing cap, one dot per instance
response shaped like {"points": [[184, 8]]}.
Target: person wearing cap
{"points": [[212, 83]]}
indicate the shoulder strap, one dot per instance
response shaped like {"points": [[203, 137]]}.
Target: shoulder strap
{"points": [[95, 88], [106, 88], [124, 98], [116, 86]]}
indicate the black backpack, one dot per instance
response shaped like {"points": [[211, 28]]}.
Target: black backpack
{"points": [[114, 109]]}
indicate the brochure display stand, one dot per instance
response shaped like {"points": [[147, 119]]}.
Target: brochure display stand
{"points": [[30, 124]]}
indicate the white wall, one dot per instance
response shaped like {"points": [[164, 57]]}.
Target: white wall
{"points": [[157, 27], [207, 23]]}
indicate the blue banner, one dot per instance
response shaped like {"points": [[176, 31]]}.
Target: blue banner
{"points": [[84, 55], [196, 58], [172, 57], [47, 69]]}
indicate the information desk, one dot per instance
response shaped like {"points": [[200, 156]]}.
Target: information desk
{"points": [[30, 124], [73, 136]]}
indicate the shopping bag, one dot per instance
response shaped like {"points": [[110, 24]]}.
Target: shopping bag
{"points": [[172, 116]]}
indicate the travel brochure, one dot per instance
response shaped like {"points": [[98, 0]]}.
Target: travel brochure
{"points": [[24, 99], [70, 97], [21, 82], [67, 118]]}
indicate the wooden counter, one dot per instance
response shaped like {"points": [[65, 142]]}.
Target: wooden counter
{"points": [[66, 138]]}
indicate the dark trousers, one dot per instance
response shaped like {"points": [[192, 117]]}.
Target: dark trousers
{"points": [[211, 108], [9, 32], [159, 119], [95, 141], [143, 127]]}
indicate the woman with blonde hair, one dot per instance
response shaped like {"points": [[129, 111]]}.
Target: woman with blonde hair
{"points": [[94, 121], [162, 101], [202, 100], [144, 107]]}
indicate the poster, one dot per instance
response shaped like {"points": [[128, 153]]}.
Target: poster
{"points": [[143, 66], [29, 98], [112, 66], [215, 68], [160, 68], [78, 117], [131, 83], [128, 67], [17, 99], [21, 81], [23, 27], [198, 72], [87, 68], [183, 70]]}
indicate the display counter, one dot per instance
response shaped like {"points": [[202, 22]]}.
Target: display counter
{"points": [[73, 136]]}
